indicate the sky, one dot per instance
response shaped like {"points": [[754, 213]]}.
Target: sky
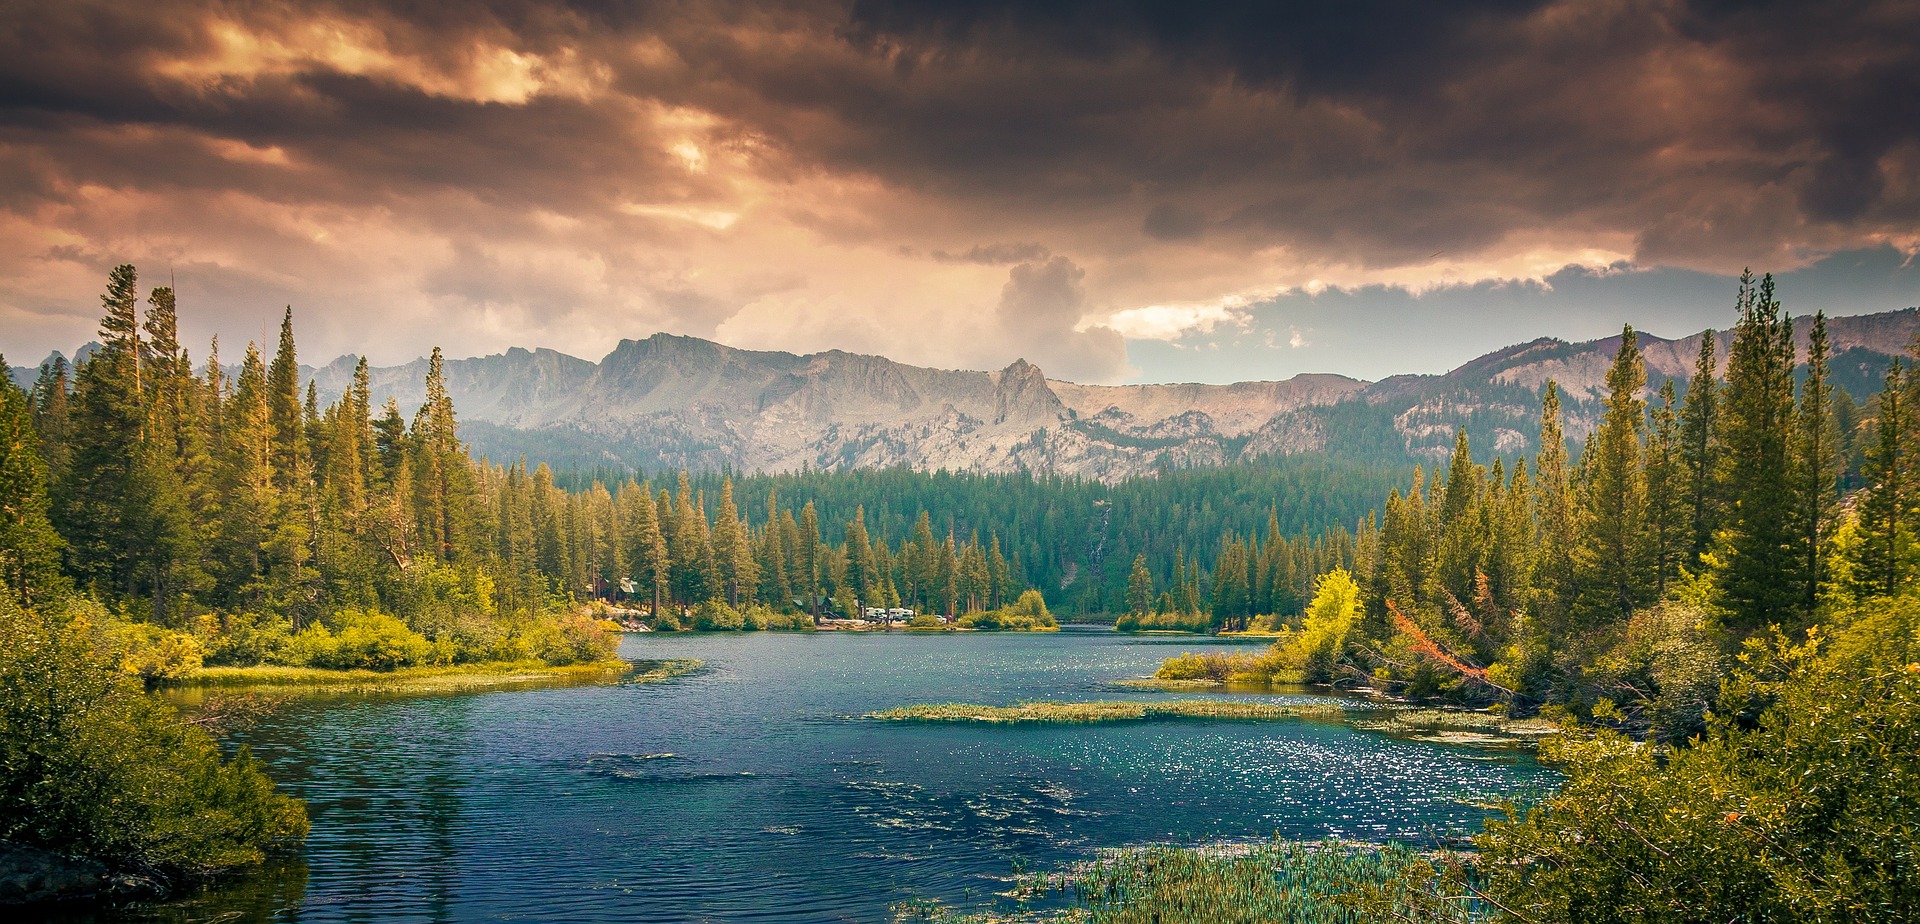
{"points": [[1116, 190]]}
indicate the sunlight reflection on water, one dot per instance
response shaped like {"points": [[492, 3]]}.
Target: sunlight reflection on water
{"points": [[750, 791]]}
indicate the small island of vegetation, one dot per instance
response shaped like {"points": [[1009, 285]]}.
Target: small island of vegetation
{"points": [[1103, 711]]}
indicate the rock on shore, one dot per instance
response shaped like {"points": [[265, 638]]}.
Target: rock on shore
{"points": [[31, 875]]}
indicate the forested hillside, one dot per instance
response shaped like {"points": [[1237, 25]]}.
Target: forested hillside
{"points": [[1620, 582]]}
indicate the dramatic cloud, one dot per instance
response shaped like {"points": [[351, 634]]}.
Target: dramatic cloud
{"points": [[950, 183], [1040, 312]]}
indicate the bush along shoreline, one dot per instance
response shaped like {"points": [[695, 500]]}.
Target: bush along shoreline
{"points": [[98, 769]]}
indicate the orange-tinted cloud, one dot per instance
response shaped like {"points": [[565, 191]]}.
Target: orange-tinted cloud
{"points": [[949, 183]]}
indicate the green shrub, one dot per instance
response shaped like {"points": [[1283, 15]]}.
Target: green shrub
{"points": [[1163, 622], [1216, 666], [95, 767], [366, 640], [717, 616], [1317, 649], [665, 621], [1797, 804], [1279, 881], [1025, 614], [578, 638], [926, 621], [152, 653], [242, 639]]}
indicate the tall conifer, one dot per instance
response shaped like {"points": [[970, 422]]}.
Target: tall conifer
{"points": [[1764, 581], [29, 548], [1613, 562], [1816, 463], [1667, 521], [1554, 512], [1699, 424]]}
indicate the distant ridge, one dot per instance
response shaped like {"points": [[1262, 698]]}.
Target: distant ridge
{"points": [[669, 402]]}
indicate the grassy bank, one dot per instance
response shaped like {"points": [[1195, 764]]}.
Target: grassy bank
{"points": [[449, 678], [1102, 711]]}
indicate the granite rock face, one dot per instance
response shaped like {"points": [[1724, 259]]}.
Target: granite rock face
{"points": [[670, 402]]}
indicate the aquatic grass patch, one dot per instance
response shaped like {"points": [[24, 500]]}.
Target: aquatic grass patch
{"points": [[1279, 682], [656, 671], [1456, 726], [1104, 711], [444, 678], [1277, 882]]}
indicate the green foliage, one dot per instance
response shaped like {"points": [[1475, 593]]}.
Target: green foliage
{"points": [[1796, 805], [1210, 666], [1321, 642], [365, 641], [154, 654], [96, 767], [577, 638], [29, 547], [1104, 711], [1027, 614], [1163, 622], [1662, 676], [716, 616], [1614, 562], [1764, 569], [1614, 586], [230, 639]]}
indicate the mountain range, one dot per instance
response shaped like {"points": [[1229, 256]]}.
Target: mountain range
{"points": [[670, 402]]}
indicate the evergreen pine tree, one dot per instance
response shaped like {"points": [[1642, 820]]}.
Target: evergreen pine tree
{"points": [[1699, 422], [1139, 588], [863, 572], [29, 548], [732, 553], [97, 498], [288, 436], [50, 415], [1613, 564], [1667, 526], [1882, 559], [1554, 512], [807, 558], [1763, 582], [1816, 463]]}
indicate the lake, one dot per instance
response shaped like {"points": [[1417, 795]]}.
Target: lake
{"points": [[752, 791]]}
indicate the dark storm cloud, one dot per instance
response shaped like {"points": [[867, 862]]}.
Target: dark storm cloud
{"points": [[551, 168]]}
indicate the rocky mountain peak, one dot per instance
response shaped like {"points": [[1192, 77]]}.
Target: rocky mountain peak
{"points": [[1020, 393]]}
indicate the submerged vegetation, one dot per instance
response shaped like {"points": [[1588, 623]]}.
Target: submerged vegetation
{"points": [[1103, 711], [1278, 882]]}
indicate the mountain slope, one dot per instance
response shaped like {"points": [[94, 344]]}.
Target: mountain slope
{"points": [[671, 402]]}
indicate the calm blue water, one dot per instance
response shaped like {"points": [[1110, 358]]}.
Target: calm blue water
{"points": [[779, 804]]}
